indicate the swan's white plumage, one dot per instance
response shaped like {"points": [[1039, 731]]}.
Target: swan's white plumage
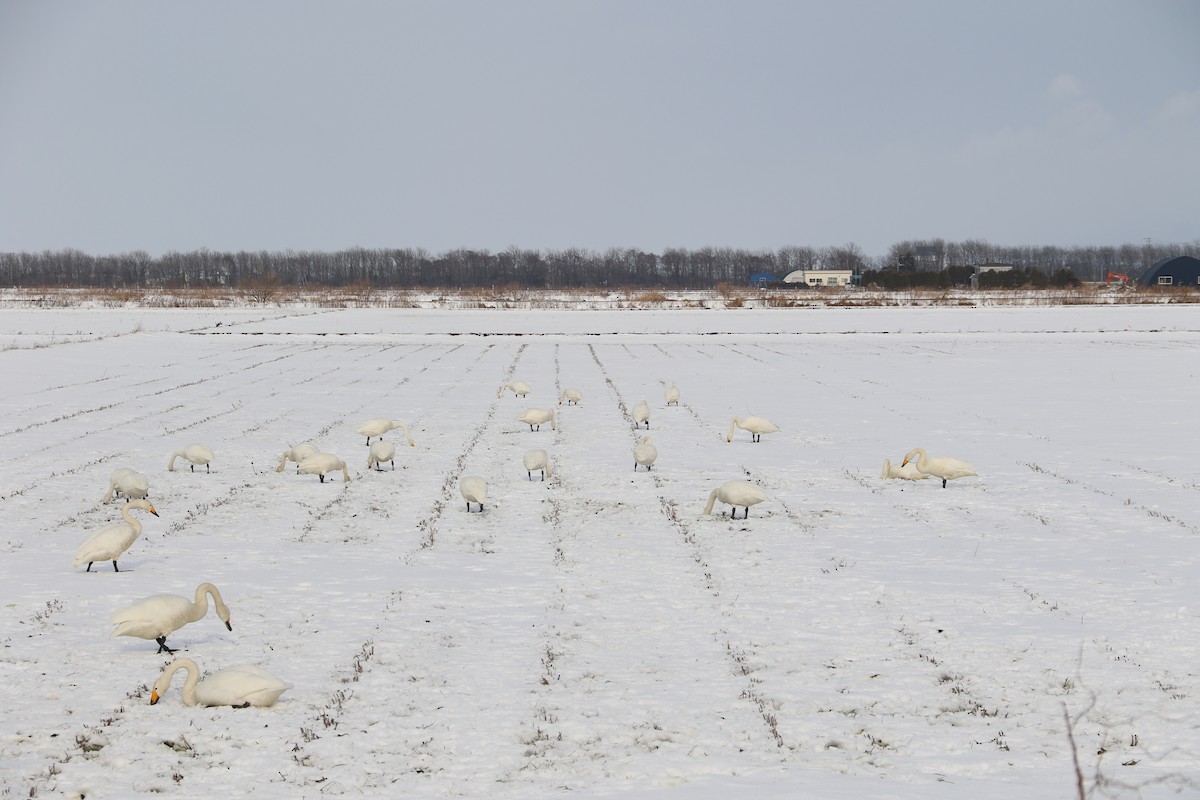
{"points": [[641, 413], [108, 543], [943, 467], [129, 482], [672, 394], [197, 454], [536, 460], [244, 685], [158, 616], [474, 490], [380, 425], [519, 388], [297, 453], [908, 472], [756, 425], [381, 452], [736, 493], [644, 453], [538, 417], [570, 396], [323, 463]]}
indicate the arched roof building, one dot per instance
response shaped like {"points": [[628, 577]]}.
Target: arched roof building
{"points": [[1174, 271]]}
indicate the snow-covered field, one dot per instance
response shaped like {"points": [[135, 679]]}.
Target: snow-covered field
{"points": [[596, 633]]}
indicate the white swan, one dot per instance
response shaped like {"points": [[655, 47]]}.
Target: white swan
{"points": [[128, 482], [158, 616], [570, 396], [474, 490], [108, 543], [943, 467], [539, 460], [322, 463], [644, 453], [641, 413], [379, 426], [297, 453], [519, 388], [380, 452], [672, 394], [756, 425], [736, 493], [240, 687], [908, 472], [538, 417], [200, 454]]}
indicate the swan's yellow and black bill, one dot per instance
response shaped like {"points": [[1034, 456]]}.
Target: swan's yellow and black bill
{"points": [[152, 511], [228, 625], [153, 696]]}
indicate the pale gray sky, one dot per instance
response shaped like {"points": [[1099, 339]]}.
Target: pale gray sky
{"points": [[322, 125]]}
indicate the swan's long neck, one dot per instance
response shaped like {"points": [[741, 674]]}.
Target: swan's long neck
{"points": [[732, 422], [712, 498], [200, 606], [404, 428], [283, 460], [922, 459], [189, 685], [127, 515], [171, 463], [345, 473]]}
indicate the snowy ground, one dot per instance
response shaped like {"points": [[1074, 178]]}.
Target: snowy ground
{"points": [[596, 634]]}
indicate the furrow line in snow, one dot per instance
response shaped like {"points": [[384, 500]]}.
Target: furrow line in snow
{"points": [[754, 691], [1151, 512]]}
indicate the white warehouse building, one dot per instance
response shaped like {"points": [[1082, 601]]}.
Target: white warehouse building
{"points": [[821, 277]]}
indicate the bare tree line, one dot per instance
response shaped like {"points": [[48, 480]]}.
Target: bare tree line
{"points": [[677, 268]]}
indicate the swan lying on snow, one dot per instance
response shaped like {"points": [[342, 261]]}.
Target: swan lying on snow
{"points": [[237, 686], [200, 454], [539, 460], [108, 543], [538, 416], [297, 453], [158, 616], [908, 472], [943, 467], [673, 394], [641, 413], [570, 396], [519, 388], [474, 490], [736, 493], [380, 452], [128, 482], [645, 453], [756, 425], [322, 463], [379, 426]]}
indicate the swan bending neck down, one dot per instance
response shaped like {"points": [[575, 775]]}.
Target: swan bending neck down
{"points": [[570, 396], [943, 467], [474, 490], [128, 482], [108, 543], [536, 460], [381, 452], [644, 454], [538, 416], [756, 425], [379, 426], [908, 472], [519, 388], [297, 453], [641, 413], [322, 463], [736, 493], [239, 687], [200, 454], [158, 616]]}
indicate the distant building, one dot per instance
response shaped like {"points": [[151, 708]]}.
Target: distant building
{"points": [[762, 280], [993, 268], [820, 277], [1174, 271]]}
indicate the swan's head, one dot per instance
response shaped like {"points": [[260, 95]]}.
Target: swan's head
{"points": [[223, 613], [154, 695]]}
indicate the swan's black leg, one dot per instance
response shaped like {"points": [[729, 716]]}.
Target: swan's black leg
{"points": [[162, 645], [89, 569], [529, 474], [322, 477], [943, 483], [193, 466], [208, 468], [115, 566], [243, 705]]}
